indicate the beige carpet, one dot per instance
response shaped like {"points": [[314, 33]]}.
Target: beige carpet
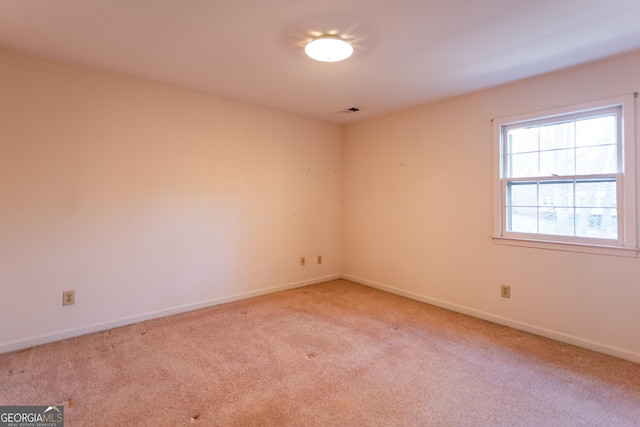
{"points": [[332, 354]]}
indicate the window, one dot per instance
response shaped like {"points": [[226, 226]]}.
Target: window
{"points": [[565, 178]]}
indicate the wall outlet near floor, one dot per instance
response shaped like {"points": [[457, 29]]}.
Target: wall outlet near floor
{"points": [[302, 261], [505, 291], [68, 297], [319, 259]]}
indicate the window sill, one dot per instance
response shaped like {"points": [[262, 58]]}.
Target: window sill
{"points": [[569, 247]]}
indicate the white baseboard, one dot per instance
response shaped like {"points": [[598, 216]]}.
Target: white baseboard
{"points": [[548, 333], [96, 327], [558, 336]]}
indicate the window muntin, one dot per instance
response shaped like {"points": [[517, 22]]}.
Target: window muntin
{"points": [[561, 177]]}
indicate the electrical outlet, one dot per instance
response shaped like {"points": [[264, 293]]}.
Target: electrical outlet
{"points": [[505, 291], [68, 297], [302, 262], [319, 259]]}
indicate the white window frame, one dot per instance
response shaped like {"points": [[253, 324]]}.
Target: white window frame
{"points": [[626, 244]]}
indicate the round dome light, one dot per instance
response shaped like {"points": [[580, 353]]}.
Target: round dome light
{"points": [[328, 49]]}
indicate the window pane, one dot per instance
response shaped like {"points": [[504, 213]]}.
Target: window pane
{"points": [[557, 136], [523, 140], [596, 160], [596, 194], [522, 220], [599, 223], [557, 162], [596, 131], [523, 165], [522, 194], [553, 194], [556, 221]]}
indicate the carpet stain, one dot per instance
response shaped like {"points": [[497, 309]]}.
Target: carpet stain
{"points": [[111, 347]]}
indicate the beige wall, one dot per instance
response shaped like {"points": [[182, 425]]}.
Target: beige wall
{"points": [[148, 199], [417, 218]]}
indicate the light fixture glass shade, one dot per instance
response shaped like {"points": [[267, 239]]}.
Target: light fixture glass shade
{"points": [[328, 49]]}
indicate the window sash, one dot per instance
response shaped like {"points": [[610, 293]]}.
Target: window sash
{"points": [[558, 119], [507, 230]]}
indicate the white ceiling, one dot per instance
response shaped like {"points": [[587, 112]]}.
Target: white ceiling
{"points": [[407, 52]]}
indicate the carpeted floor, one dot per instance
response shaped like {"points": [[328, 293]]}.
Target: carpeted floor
{"points": [[332, 354]]}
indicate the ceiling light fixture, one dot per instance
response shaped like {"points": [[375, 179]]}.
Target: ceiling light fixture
{"points": [[328, 49]]}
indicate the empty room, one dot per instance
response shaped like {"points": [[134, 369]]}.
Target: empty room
{"points": [[208, 219]]}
